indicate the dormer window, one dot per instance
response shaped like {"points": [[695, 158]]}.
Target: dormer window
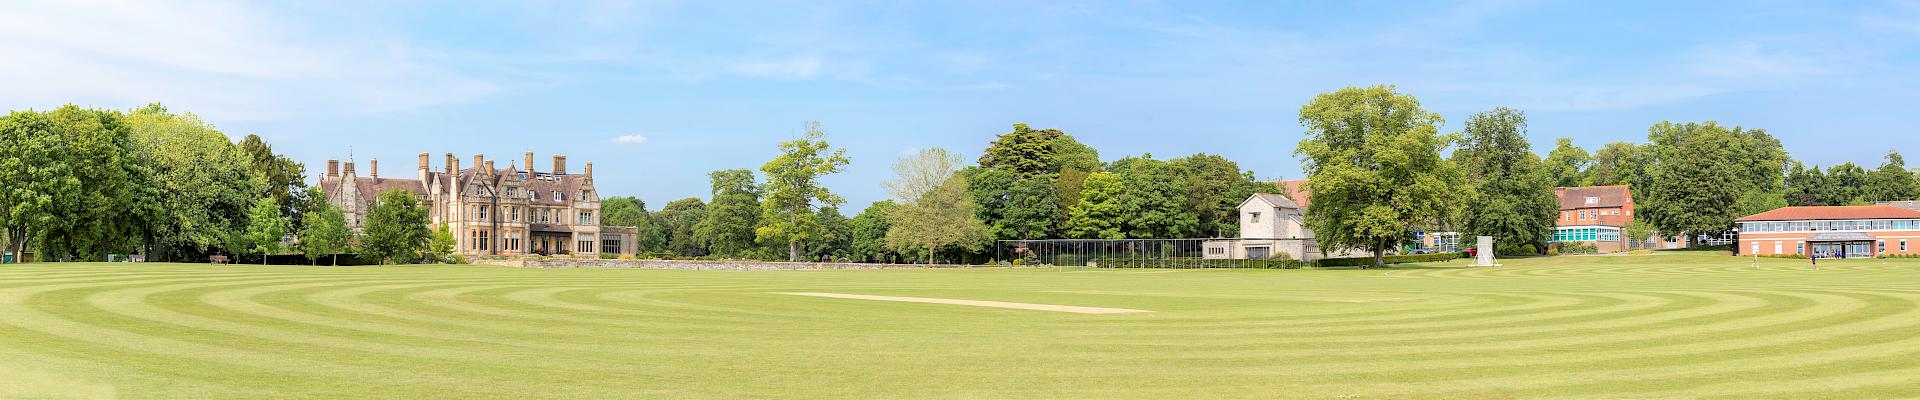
{"points": [[559, 197], [1593, 200]]}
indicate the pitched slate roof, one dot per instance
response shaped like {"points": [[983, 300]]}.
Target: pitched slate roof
{"points": [[1573, 198], [1808, 213], [1276, 200]]}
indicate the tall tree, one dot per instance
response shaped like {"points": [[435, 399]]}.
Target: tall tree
{"points": [[1513, 199], [1892, 181], [27, 205], [326, 234], [1698, 184], [789, 213], [837, 241], [727, 225], [285, 179], [201, 181], [1619, 163], [1215, 186], [869, 230], [395, 231], [1026, 151], [921, 172], [1806, 186], [1567, 164], [632, 211], [1372, 157], [1154, 200], [941, 218], [1101, 209], [679, 219], [1029, 210], [265, 227], [1846, 185]]}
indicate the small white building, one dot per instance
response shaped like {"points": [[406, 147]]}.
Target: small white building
{"points": [[1270, 225]]}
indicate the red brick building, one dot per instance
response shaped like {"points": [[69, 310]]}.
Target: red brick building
{"points": [[1832, 231], [1594, 214]]}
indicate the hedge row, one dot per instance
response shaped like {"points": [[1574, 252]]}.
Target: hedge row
{"points": [[1185, 262], [1409, 258]]}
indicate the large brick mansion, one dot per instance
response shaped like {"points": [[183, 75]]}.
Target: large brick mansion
{"points": [[509, 211]]}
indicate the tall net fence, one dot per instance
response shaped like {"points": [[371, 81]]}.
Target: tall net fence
{"points": [[1152, 253]]}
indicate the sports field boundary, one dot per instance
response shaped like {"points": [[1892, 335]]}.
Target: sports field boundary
{"points": [[735, 265]]}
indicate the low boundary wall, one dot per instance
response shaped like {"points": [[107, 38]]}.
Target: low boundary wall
{"points": [[734, 265]]}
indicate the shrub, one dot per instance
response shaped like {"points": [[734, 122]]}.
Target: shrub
{"points": [[1410, 258]]}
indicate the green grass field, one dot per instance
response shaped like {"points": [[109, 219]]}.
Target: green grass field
{"points": [[1661, 326]]}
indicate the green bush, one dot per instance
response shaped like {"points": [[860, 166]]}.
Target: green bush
{"points": [[1573, 248], [1409, 258]]}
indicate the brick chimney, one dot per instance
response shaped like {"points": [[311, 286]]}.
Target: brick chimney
{"points": [[479, 160], [489, 168], [333, 168], [559, 164], [423, 160], [424, 167], [529, 162], [348, 171], [589, 171], [373, 166], [453, 165]]}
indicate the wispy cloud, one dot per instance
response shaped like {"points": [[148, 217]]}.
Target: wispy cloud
{"points": [[224, 60], [789, 68], [630, 139]]}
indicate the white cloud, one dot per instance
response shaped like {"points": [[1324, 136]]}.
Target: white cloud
{"points": [[223, 60], [630, 139], [790, 68]]}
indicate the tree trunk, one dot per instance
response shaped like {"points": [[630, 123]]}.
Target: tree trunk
{"points": [[1379, 254], [793, 251], [336, 260], [929, 255]]}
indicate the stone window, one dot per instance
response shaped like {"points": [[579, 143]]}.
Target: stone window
{"points": [[586, 217], [610, 245]]}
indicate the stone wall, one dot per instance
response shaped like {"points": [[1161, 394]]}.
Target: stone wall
{"points": [[735, 265]]}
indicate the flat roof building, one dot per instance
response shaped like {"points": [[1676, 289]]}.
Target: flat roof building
{"points": [[1832, 231]]}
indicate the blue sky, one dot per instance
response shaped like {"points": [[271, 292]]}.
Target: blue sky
{"points": [[700, 86]]}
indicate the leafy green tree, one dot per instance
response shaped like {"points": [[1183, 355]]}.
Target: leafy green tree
{"points": [[265, 227], [789, 213], [727, 225], [1372, 158], [680, 219], [1215, 186], [869, 231], [1513, 199], [1024, 152], [921, 172], [285, 179], [1567, 164], [941, 218], [632, 211], [395, 231], [1698, 185], [1619, 163], [1070, 154], [326, 234], [837, 243], [27, 199], [1154, 200], [1806, 186], [439, 247], [988, 187], [1892, 181], [202, 184], [103, 214], [1030, 210], [1101, 208], [1846, 185]]}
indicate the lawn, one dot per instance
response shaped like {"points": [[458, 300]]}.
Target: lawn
{"points": [[1658, 326]]}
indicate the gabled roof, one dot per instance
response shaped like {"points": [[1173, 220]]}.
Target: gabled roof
{"points": [[1811, 213], [1572, 198], [1272, 200]]}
